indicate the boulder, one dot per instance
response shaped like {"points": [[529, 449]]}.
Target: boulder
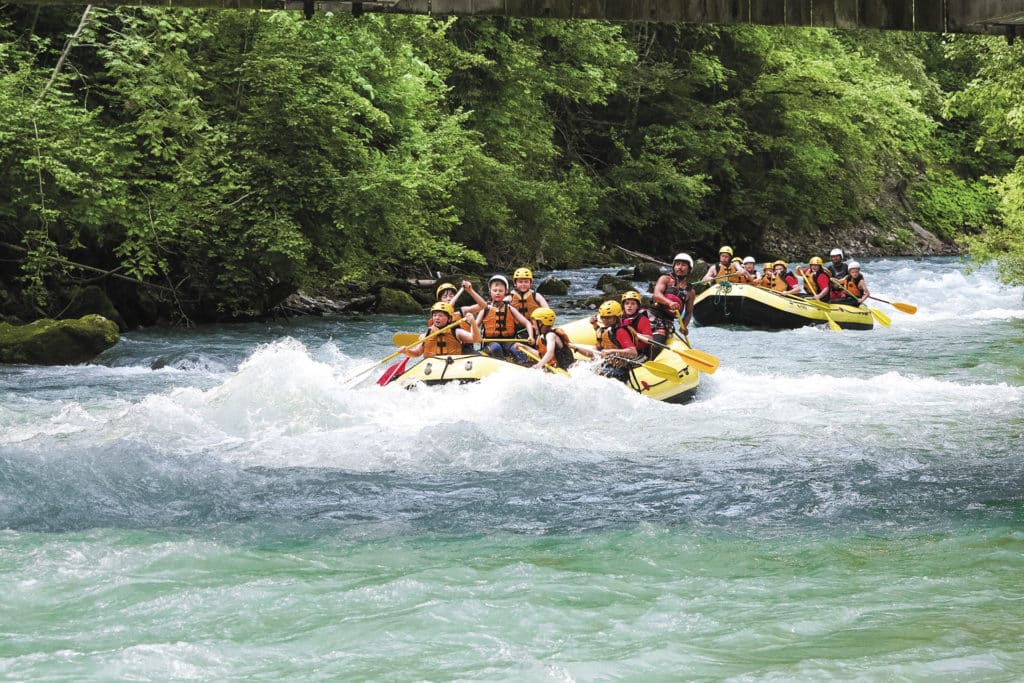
{"points": [[397, 301], [553, 286], [609, 284], [647, 271], [57, 342], [92, 299]]}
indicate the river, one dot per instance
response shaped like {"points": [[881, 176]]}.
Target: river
{"points": [[216, 504]]}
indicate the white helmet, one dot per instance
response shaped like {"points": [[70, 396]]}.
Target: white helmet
{"points": [[499, 278], [852, 265], [836, 252], [683, 257], [749, 259]]}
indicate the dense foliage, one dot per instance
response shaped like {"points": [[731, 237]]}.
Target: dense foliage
{"points": [[226, 159]]}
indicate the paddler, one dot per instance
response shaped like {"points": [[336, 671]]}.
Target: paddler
{"points": [[450, 341], [498, 322], [553, 343], [616, 343], [673, 299]]}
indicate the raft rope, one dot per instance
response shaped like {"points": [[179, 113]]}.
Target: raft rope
{"points": [[724, 287]]}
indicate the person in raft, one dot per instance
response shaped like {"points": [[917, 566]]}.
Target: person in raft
{"points": [[447, 293], [616, 343], [525, 299], [635, 316], [449, 342], [725, 269], [785, 281], [673, 300], [854, 285], [553, 343], [498, 321], [816, 280]]}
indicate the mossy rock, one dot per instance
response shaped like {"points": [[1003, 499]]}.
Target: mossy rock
{"points": [[553, 286], [397, 301], [57, 342], [609, 284], [647, 272]]}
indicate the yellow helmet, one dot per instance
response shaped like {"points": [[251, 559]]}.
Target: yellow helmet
{"points": [[445, 286], [782, 263], [444, 307], [768, 266], [736, 259], [631, 294], [522, 273], [725, 250], [610, 309], [815, 261], [545, 316]]}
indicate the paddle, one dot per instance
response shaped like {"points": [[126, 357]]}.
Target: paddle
{"points": [[814, 303], [657, 369], [412, 338], [821, 305], [359, 373], [536, 358], [393, 371], [882, 318], [909, 309], [700, 360]]}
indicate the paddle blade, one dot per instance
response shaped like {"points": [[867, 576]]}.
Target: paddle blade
{"points": [[701, 360], [405, 338], [906, 308], [662, 370], [882, 318], [393, 371], [833, 325]]}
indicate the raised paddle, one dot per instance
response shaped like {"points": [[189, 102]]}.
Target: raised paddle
{"points": [[662, 370], [536, 358], [359, 373]]}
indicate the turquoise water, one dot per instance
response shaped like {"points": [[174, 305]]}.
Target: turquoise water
{"points": [[832, 506]]}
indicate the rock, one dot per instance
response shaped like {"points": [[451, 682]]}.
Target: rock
{"points": [[299, 303], [397, 301], [647, 272], [609, 284], [92, 299], [553, 286], [57, 342]]}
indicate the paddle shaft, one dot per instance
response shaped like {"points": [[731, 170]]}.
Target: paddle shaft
{"points": [[701, 360], [385, 359]]}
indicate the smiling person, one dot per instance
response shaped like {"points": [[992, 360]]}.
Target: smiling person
{"points": [[450, 341]]}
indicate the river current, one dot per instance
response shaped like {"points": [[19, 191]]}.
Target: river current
{"points": [[218, 503]]}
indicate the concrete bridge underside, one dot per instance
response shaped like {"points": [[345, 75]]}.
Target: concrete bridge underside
{"points": [[940, 16]]}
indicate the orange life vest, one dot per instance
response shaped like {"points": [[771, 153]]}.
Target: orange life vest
{"points": [[526, 303], [498, 322], [444, 344]]}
